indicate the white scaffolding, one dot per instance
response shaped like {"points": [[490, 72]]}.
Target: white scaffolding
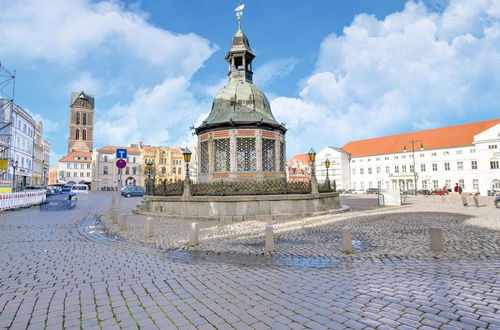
{"points": [[7, 90]]}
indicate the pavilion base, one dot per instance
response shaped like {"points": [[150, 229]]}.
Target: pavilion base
{"points": [[237, 208]]}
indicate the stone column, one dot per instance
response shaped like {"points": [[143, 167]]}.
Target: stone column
{"points": [[233, 151], [258, 152], [210, 156], [277, 155]]}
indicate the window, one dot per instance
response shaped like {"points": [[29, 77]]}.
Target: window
{"points": [[105, 170], [246, 157], [404, 156], [105, 158], [396, 157], [446, 166], [461, 183], [134, 170], [88, 165], [84, 134], [84, 121], [412, 169], [221, 155], [78, 118], [353, 171], [68, 174], [446, 153], [386, 158], [403, 168], [387, 169], [434, 167], [68, 165], [433, 154], [88, 174], [460, 166], [134, 159], [475, 183], [492, 146], [396, 169], [163, 170], [422, 155], [435, 184], [77, 134], [473, 164], [369, 159], [377, 159], [204, 157], [422, 167], [82, 165], [81, 174], [378, 169], [472, 151], [370, 185], [369, 170], [179, 170], [361, 171], [268, 155], [127, 170], [362, 186], [459, 152], [494, 164], [424, 184], [354, 186], [174, 170]]}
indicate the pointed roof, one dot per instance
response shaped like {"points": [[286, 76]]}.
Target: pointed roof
{"points": [[240, 43], [81, 95]]}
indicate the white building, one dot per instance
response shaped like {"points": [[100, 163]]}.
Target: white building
{"points": [[75, 168], [339, 167], [467, 154], [21, 149]]}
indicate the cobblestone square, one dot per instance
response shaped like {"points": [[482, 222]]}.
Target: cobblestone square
{"points": [[74, 269]]}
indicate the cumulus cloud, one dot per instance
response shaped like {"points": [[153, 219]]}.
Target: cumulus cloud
{"points": [[273, 70], [68, 31], [413, 69]]}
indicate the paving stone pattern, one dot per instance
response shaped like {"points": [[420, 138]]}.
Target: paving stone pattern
{"points": [[58, 270]]}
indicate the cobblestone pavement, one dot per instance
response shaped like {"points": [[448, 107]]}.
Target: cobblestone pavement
{"points": [[58, 270]]}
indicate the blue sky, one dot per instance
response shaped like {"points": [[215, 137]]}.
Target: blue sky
{"points": [[334, 70]]}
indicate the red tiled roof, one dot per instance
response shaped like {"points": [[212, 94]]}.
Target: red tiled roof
{"points": [[70, 157], [113, 148], [303, 158], [443, 137]]}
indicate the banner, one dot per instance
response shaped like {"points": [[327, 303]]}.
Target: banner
{"points": [[5, 186], [4, 163]]}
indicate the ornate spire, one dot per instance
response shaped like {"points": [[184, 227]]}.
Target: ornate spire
{"points": [[240, 55], [239, 13]]}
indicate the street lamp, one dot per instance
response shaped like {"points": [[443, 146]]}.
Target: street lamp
{"points": [[149, 172], [327, 165], [413, 156], [312, 158], [14, 164], [187, 157]]}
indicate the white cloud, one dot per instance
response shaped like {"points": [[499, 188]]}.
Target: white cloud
{"points": [[152, 115], [413, 69], [68, 31], [273, 70]]}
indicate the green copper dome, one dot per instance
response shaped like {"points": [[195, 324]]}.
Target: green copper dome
{"points": [[240, 103]]}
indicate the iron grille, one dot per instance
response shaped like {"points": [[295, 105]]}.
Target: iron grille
{"points": [[246, 157], [282, 156], [204, 157], [268, 155], [222, 155]]}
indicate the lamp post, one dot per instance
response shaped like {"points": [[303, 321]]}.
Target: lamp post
{"points": [[413, 156], [187, 157], [44, 182], [312, 159], [327, 165], [149, 173], [14, 164]]}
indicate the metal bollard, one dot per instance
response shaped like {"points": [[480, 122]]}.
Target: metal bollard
{"points": [[269, 238], [194, 234], [476, 200], [149, 229], [436, 237], [123, 222], [346, 241]]}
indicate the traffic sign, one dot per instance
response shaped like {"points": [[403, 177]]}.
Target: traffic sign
{"points": [[121, 153], [121, 163]]}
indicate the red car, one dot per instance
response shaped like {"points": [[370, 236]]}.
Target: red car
{"points": [[440, 192]]}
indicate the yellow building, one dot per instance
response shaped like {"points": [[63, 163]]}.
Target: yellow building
{"points": [[168, 163]]}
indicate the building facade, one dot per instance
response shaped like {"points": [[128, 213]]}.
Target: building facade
{"points": [[299, 168], [168, 163], [38, 155], [75, 168], [438, 158], [339, 167], [21, 149], [107, 176], [46, 161]]}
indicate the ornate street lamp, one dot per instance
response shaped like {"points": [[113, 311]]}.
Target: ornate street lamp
{"points": [[14, 164], [149, 172], [187, 158], [327, 165], [312, 159]]}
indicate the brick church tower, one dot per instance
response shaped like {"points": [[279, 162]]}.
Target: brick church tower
{"points": [[81, 123]]}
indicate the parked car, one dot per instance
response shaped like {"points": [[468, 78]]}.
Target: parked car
{"points": [[80, 189], [129, 191], [440, 192], [497, 201], [423, 192], [66, 188], [49, 191], [372, 191], [56, 187]]}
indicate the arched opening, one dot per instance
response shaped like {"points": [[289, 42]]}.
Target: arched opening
{"points": [[78, 118], [84, 119], [84, 134], [77, 134]]}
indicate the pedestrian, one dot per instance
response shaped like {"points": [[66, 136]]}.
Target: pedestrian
{"points": [[457, 188]]}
